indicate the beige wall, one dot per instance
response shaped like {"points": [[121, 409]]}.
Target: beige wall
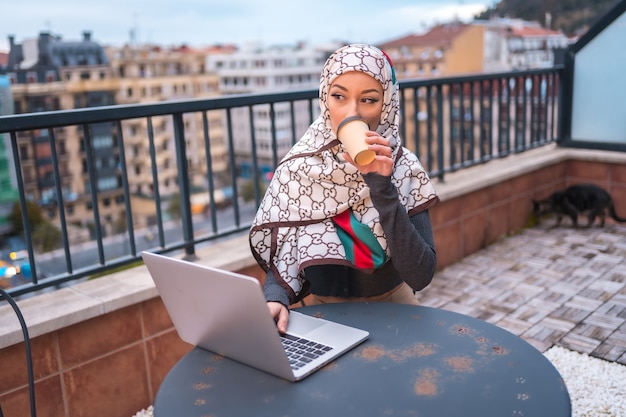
{"points": [[466, 53]]}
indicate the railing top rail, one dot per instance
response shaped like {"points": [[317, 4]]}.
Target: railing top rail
{"points": [[43, 120], [419, 82]]}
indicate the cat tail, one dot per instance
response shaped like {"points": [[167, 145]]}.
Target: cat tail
{"points": [[614, 214]]}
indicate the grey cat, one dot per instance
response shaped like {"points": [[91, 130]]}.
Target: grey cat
{"points": [[579, 199]]}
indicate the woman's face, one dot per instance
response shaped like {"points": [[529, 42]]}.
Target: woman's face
{"points": [[355, 94]]}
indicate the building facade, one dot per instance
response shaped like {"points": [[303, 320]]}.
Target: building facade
{"points": [[48, 73], [256, 69], [148, 74], [495, 45]]}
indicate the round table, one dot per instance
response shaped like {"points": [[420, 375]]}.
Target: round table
{"points": [[418, 361]]}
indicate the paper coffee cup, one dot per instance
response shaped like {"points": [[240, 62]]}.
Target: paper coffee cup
{"points": [[351, 133]]}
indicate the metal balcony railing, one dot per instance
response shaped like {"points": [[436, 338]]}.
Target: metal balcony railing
{"points": [[138, 171]]}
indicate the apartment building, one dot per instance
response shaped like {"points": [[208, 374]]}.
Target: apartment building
{"points": [[495, 45], [149, 73], [453, 48], [46, 74], [256, 69]]}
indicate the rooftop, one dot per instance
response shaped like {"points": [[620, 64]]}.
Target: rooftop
{"points": [[551, 286]]}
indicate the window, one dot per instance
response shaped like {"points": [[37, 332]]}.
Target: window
{"points": [[31, 77], [51, 76]]}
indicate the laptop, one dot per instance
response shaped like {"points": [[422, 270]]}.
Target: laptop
{"points": [[226, 313]]}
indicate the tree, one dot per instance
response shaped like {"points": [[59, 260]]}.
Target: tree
{"points": [[247, 189], [45, 235], [33, 214], [173, 207], [568, 16]]}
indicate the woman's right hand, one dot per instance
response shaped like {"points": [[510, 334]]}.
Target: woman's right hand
{"points": [[280, 313]]}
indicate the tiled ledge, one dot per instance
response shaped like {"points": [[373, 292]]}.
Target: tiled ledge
{"points": [[85, 300], [499, 170], [58, 309]]}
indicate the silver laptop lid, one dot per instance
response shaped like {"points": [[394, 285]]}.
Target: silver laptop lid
{"points": [[226, 313]]}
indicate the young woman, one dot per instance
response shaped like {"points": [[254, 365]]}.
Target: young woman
{"points": [[338, 230]]}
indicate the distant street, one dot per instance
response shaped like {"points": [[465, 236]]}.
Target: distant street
{"points": [[86, 254]]}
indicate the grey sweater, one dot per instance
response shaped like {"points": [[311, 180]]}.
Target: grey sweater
{"points": [[411, 244]]}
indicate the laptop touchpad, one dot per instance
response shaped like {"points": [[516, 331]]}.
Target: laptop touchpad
{"points": [[302, 324]]}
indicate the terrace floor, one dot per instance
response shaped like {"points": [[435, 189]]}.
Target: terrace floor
{"points": [[551, 286]]}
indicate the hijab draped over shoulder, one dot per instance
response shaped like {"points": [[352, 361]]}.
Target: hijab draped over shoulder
{"points": [[294, 227]]}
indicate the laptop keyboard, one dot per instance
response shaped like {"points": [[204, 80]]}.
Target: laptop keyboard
{"points": [[301, 351]]}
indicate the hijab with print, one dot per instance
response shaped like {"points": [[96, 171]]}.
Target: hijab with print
{"points": [[313, 183]]}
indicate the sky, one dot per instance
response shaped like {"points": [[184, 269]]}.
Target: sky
{"points": [[199, 23]]}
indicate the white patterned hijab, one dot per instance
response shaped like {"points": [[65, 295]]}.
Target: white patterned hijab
{"points": [[293, 227]]}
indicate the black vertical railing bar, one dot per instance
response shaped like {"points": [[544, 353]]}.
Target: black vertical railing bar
{"points": [[402, 97], [503, 116], [525, 113], [209, 164], [93, 191], [482, 116], [549, 103], [490, 118], [523, 100], [183, 186], [472, 122], [274, 147], [255, 158], [556, 89], [462, 140], [440, 141], [28, 237], [60, 199], [566, 100], [533, 106], [416, 122], [311, 110], [130, 227], [546, 100], [156, 190], [542, 109], [274, 140], [517, 145], [232, 162], [429, 128], [501, 129], [539, 107], [535, 109], [508, 115], [292, 121], [453, 137]]}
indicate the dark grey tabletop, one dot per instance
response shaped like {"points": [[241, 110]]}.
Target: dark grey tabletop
{"points": [[418, 361]]}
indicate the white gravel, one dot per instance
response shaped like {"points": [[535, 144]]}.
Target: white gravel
{"points": [[597, 388]]}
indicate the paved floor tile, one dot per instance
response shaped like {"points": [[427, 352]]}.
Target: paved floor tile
{"points": [[551, 286]]}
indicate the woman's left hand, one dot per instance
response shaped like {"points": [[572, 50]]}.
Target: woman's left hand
{"points": [[383, 163]]}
